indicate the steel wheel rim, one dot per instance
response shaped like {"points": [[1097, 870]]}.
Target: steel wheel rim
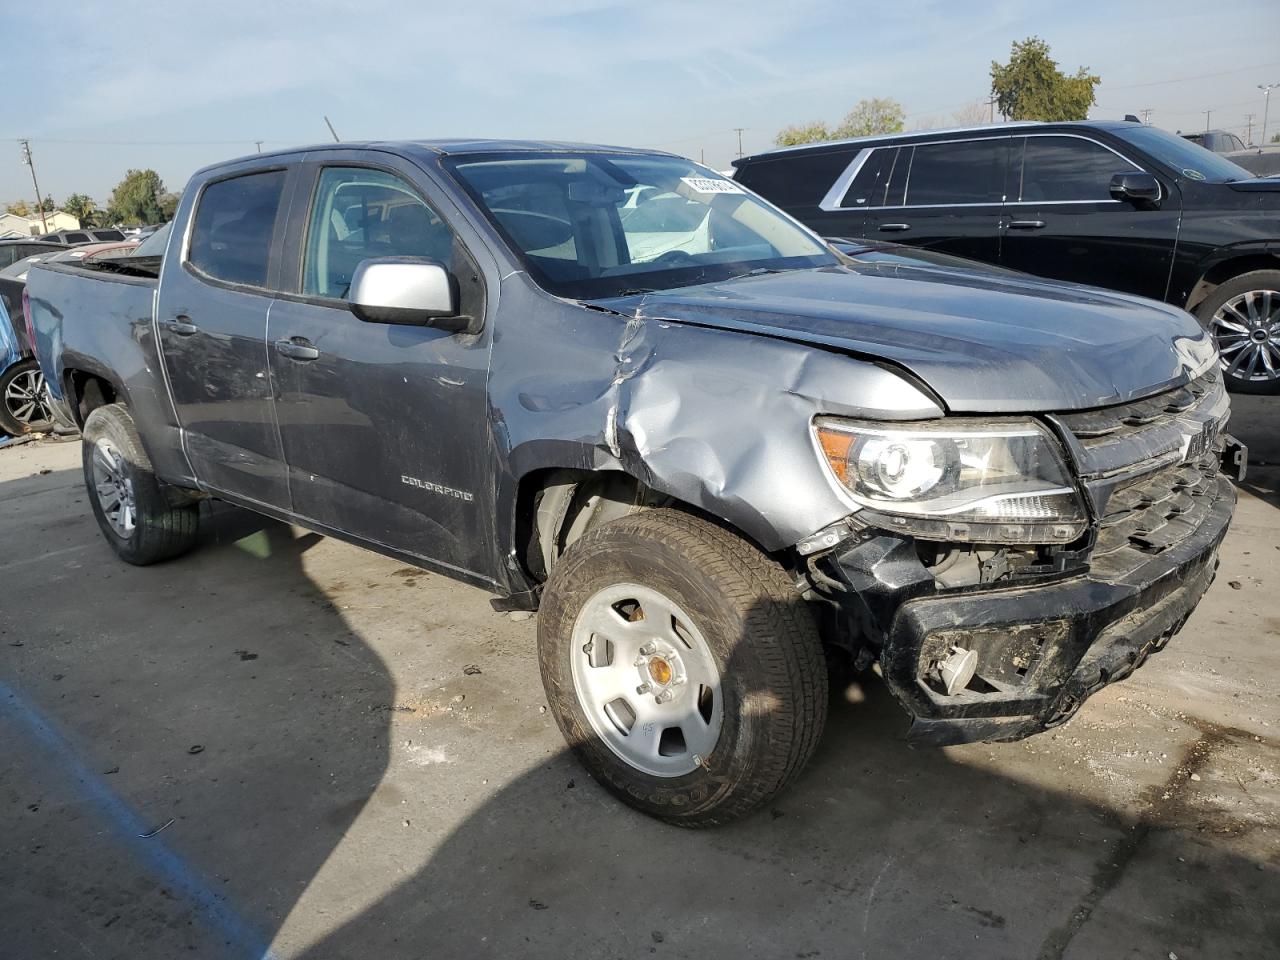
{"points": [[645, 677], [26, 398], [1247, 330], [114, 489]]}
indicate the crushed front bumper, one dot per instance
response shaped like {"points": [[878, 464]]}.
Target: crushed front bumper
{"points": [[1042, 648]]}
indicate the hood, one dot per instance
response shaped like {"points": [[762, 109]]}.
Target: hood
{"points": [[984, 342]]}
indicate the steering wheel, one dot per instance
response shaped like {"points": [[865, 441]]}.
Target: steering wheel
{"points": [[674, 257]]}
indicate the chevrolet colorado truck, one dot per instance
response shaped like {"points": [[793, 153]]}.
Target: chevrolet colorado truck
{"points": [[715, 453]]}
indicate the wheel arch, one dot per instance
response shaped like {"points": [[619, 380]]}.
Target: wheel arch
{"points": [[1219, 272]]}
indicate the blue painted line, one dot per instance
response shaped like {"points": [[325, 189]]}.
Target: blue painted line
{"points": [[163, 862]]}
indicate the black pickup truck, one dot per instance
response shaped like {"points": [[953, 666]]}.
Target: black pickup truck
{"points": [[711, 450], [1114, 204]]}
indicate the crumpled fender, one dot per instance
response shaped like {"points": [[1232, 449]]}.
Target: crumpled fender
{"points": [[718, 419]]}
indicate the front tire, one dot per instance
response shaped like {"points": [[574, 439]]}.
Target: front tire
{"points": [[24, 400], [134, 510], [682, 666], [1243, 315]]}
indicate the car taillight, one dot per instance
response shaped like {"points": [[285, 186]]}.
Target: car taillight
{"points": [[26, 316]]}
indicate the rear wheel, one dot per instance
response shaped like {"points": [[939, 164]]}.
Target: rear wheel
{"points": [[682, 667], [134, 510], [24, 400], [1243, 315]]}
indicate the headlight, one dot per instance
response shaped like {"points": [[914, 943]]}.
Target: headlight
{"points": [[967, 481]]}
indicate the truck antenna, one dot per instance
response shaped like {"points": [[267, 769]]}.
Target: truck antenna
{"points": [[336, 138]]}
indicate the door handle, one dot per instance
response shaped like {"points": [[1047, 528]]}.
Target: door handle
{"points": [[181, 325], [297, 348], [894, 227], [1026, 224]]}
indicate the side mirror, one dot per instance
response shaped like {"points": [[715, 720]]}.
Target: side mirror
{"points": [[1137, 188], [406, 290]]}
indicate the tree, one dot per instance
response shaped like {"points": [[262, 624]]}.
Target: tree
{"points": [[79, 206], [47, 204], [878, 115], [1031, 87], [169, 206], [19, 208], [971, 115], [136, 198], [1276, 138], [814, 132], [871, 117]]}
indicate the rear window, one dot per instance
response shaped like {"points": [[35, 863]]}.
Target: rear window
{"points": [[231, 235], [798, 180], [108, 234], [76, 238]]}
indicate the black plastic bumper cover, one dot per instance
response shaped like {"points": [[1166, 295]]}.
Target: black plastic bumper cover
{"points": [[1045, 648]]}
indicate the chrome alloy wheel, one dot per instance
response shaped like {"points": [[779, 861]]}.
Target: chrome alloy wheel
{"points": [[645, 677], [1247, 328], [27, 399], [114, 489]]}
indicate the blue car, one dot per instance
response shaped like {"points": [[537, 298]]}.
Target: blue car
{"points": [[24, 401]]}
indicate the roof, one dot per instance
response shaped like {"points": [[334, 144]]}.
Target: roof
{"points": [[945, 131], [453, 146]]}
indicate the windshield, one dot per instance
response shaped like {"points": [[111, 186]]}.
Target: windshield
{"points": [[1187, 158], [590, 225]]}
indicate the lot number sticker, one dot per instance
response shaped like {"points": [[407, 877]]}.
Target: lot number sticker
{"points": [[710, 185]]}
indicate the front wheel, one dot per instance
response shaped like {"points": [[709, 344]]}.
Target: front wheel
{"points": [[682, 666], [134, 511], [24, 400], [1243, 315]]}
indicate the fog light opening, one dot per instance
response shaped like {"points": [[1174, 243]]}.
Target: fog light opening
{"points": [[956, 669]]}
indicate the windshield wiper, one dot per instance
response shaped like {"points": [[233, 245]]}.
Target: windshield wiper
{"points": [[634, 291]]}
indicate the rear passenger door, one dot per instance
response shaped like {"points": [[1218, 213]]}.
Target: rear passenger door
{"points": [[384, 427], [1062, 222], [945, 195], [211, 321]]}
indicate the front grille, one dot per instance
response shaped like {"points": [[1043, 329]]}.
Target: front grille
{"points": [[1151, 470], [1131, 436], [1158, 511]]}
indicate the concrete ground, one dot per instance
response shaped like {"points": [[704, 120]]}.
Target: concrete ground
{"points": [[271, 747]]}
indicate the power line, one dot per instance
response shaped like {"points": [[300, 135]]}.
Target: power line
{"points": [[1202, 76]]}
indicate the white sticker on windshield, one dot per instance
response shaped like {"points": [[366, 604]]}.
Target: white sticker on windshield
{"points": [[710, 185]]}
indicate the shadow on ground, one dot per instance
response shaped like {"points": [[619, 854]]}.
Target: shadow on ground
{"points": [[878, 851]]}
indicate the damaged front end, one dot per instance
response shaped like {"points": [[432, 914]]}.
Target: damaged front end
{"points": [[997, 641]]}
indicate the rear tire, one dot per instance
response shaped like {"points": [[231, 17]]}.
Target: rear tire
{"points": [[729, 642], [24, 400], [134, 510], [1243, 315]]}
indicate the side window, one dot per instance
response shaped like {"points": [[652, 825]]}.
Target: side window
{"points": [[801, 179], [967, 171], [867, 187], [1234, 142], [77, 238], [360, 214], [1068, 168], [231, 235]]}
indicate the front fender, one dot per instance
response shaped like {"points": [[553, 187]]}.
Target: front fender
{"points": [[715, 418]]}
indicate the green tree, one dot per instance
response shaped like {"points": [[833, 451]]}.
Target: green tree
{"points": [[19, 208], [868, 117], [1276, 138], [871, 117], [1031, 87], [47, 204], [136, 198], [814, 132], [169, 206], [79, 206]]}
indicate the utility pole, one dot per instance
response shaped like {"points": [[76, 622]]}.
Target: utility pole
{"points": [[739, 132], [1207, 115], [1146, 116], [259, 144], [26, 158], [1266, 105], [331, 130], [991, 105], [1248, 134]]}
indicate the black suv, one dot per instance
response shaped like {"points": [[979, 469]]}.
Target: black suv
{"points": [[1114, 204]]}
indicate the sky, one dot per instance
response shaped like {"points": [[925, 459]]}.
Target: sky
{"points": [[99, 88]]}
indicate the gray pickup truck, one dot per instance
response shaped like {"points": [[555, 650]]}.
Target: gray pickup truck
{"points": [[715, 453]]}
